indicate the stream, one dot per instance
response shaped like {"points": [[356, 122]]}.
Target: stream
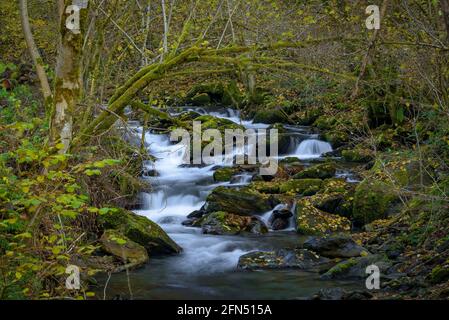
{"points": [[206, 269]]}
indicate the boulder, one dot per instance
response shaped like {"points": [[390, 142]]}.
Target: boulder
{"points": [[140, 230], [201, 99], [301, 186], [312, 221], [338, 246], [355, 268], [270, 116], [121, 247], [213, 91], [266, 187], [244, 201], [372, 201], [281, 259], [340, 294], [223, 223], [280, 219], [223, 174], [319, 171]]}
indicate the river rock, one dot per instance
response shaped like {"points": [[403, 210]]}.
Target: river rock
{"points": [[355, 268], [270, 116], [281, 259], [319, 171], [312, 221], [223, 223], [280, 219], [140, 230], [280, 224], [244, 201], [372, 201], [338, 246], [302, 186], [201, 99], [341, 294], [118, 245], [223, 174]]}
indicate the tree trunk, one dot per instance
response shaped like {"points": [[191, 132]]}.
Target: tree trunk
{"points": [[68, 83], [165, 37], [445, 9], [34, 52], [369, 52]]}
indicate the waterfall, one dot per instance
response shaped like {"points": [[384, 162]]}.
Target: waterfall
{"points": [[312, 148]]}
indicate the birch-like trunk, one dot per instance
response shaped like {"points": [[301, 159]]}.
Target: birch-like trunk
{"points": [[34, 52], [68, 82]]}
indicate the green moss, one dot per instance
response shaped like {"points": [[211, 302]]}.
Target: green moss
{"points": [[357, 155], [269, 187], [312, 221], [439, 274], [201, 99], [211, 122], [372, 200], [243, 201], [342, 268], [223, 174], [270, 116], [320, 171], [299, 186], [140, 230]]}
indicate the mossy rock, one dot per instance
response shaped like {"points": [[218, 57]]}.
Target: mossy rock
{"points": [[319, 171], [211, 122], [336, 196], [439, 274], [224, 174], [245, 202], [214, 91], [355, 268], [268, 187], [128, 251], [372, 200], [201, 99], [140, 230], [188, 116], [300, 259], [223, 223], [358, 155], [290, 160], [270, 116], [301, 186], [312, 221]]}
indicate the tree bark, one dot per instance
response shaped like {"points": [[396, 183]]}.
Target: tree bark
{"points": [[68, 83], [34, 52], [369, 52], [445, 10]]}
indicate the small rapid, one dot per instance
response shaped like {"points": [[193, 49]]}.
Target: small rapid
{"points": [[207, 266]]}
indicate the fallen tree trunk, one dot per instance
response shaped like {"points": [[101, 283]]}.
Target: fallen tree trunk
{"points": [[128, 92]]}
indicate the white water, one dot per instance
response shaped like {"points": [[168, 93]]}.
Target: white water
{"points": [[312, 149], [180, 190]]}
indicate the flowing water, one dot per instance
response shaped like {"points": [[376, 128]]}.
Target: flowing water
{"points": [[206, 269]]}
